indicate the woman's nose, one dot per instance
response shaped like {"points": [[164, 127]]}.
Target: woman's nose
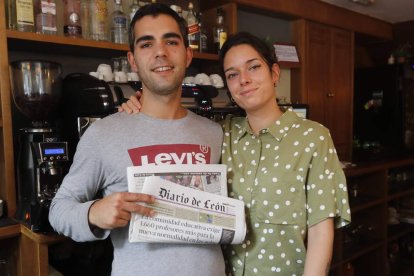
{"points": [[244, 78]]}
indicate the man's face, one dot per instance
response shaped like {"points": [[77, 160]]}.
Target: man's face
{"points": [[160, 57]]}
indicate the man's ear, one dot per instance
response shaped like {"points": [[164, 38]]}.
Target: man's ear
{"points": [[131, 60], [189, 54]]}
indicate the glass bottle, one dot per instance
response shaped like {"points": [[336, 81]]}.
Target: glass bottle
{"points": [[85, 18], [193, 29], [22, 15], [203, 35], [46, 17], [219, 30], [72, 18], [119, 31], [99, 19], [133, 8], [180, 11], [11, 14]]}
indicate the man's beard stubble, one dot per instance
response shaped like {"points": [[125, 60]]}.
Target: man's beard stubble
{"points": [[162, 88]]}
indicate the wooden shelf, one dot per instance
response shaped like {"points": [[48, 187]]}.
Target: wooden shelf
{"points": [[398, 194], [399, 230], [359, 250], [65, 40], [364, 203], [53, 41], [9, 231]]}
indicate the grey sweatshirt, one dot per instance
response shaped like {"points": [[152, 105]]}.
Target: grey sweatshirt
{"points": [[106, 149]]}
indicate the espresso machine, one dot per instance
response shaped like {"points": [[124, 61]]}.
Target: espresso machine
{"points": [[86, 99], [42, 158]]}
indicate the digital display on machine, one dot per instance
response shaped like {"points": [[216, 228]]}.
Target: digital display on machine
{"points": [[54, 151]]}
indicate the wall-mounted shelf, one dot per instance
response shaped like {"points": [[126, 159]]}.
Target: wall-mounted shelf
{"points": [[68, 45]]}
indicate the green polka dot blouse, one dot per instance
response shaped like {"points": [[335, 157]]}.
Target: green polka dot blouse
{"points": [[289, 178]]}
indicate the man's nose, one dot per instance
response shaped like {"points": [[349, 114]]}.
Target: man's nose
{"points": [[160, 49]]}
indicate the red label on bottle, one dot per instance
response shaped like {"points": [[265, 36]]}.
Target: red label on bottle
{"points": [[193, 29]]}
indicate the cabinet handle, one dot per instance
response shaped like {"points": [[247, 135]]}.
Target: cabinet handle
{"points": [[331, 95]]}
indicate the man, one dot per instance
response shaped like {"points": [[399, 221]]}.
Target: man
{"points": [[162, 133]]}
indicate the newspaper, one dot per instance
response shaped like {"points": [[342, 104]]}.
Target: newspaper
{"points": [[205, 177], [185, 215]]}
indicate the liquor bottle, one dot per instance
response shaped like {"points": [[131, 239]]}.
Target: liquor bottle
{"points": [[72, 18], [133, 8], [193, 29], [11, 14], [99, 20], [46, 17], [180, 11], [118, 21], [203, 34], [22, 15], [85, 18], [219, 30]]}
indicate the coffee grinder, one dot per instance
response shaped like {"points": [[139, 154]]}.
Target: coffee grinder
{"points": [[42, 158]]}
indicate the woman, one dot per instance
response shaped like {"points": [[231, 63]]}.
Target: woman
{"points": [[283, 167]]}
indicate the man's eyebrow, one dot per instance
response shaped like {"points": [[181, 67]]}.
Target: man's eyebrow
{"points": [[250, 60], [144, 38], [165, 36], [171, 35]]}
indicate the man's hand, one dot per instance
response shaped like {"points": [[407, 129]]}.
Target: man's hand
{"points": [[115, 210], [132, 105]]}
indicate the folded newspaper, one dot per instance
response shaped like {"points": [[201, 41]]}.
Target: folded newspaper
{"points": [[186, 213]]}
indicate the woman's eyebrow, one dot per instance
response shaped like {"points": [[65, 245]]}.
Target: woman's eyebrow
{"points": [[248, 61]]}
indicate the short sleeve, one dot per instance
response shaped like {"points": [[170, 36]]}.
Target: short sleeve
{"points": [[326, 189]]}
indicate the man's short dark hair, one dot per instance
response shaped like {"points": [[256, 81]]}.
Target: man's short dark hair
{"points": [[154, 10]]}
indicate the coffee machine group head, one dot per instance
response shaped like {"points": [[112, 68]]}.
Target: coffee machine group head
{"points": [[42, 158]]}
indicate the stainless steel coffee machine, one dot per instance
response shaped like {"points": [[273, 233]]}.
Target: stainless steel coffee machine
{"points": [[42, 158], [87, 99]]}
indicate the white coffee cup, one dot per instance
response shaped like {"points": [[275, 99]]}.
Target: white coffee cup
{"points": [[216, 80], [121, 77], [188, 80], [202, 79], [132, 76], [105, 72]]}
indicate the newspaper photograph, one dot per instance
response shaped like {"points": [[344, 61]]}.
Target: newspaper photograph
{"points": [[209, 178], [186, 215]]}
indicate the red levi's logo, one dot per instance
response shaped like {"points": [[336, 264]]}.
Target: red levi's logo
{"points": [[170, 154]]}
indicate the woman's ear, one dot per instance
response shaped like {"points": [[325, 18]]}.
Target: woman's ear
{"points": [[275, 72], [131, 61]]}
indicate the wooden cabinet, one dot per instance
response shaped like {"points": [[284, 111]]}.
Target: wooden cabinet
{"points": [[325, 79], [371, 245]]}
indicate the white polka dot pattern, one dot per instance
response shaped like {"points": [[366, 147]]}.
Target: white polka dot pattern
{"points": [[289, 178]]}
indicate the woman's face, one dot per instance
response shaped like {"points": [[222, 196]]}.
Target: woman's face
{"points": [[249, 80]]}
